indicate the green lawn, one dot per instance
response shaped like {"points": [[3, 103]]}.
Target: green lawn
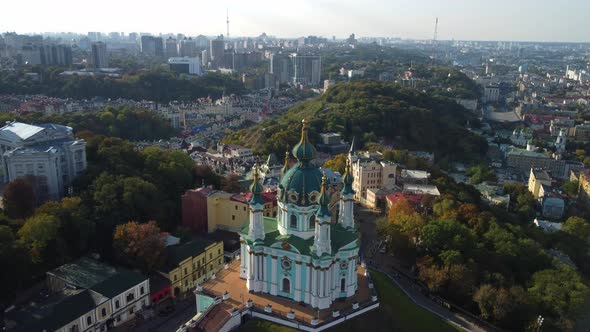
{"points": [[396, 313], [259, 325]]}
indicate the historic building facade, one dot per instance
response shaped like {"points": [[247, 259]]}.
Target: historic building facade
{"points": [[301, 254]]}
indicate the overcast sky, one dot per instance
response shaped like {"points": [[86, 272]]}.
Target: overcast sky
{"points": [[521, 20]]}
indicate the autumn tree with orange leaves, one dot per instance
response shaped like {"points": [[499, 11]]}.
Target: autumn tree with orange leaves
{"points": [[140, 245]]}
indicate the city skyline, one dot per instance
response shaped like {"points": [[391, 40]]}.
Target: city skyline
{"points": [[525, 20]]}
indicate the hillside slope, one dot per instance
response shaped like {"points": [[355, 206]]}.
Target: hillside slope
{"points": [[373, 111]]}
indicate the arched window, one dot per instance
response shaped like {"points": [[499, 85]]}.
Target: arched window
{"points": [[312, 222], [342, 285], [89, 320], [286, 286], [104, 312], [293, 222]]}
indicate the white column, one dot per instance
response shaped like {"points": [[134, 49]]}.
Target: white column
{"points": [[273, 285], [313, 281], [321, 278], [297, 294]]}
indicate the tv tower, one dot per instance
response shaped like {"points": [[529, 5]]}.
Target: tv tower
{"points": [[434, 41], [227, 22]]}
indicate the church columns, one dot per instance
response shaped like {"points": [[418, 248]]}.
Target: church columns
{"points": [[273, 283], [298, 277], [322, 284], [308, 285], [313, 281]]}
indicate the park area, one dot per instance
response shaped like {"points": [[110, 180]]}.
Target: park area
{"points": [[396, 313]]}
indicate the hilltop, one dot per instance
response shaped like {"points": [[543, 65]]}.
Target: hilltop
{"points": [[372, 112]]}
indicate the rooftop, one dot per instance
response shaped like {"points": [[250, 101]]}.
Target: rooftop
{"points": [[339, 236], [52, 312], [414, 174], [541, 174], [178, 253], [118, 283], [229, 280], [83, 273], [427, 189]]}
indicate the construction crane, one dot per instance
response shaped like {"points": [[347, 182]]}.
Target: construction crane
{"points": [[433, 56]]}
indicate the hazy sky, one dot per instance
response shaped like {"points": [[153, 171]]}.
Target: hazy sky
{"points": [[534, 20]]}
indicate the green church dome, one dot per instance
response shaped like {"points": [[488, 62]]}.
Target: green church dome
{"points": [[304, 178], [304, 151]]}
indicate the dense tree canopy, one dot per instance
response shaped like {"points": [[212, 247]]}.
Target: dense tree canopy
{"points": [[156, 85], [371, 111], [124, 122], [140, 245]]}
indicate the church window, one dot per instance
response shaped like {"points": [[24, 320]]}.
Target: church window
{"points": [[293, 222], [286, 286], [342, 285], [286, 263], [311, 222]]}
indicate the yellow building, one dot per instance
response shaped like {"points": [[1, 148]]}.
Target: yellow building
{"points": [[190, 264], [229, 212], [584, 191]]}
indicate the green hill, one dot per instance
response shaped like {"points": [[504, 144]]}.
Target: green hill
{"points": [[373, 112]]}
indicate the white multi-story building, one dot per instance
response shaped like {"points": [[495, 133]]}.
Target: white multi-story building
{"points": [[185, 65], [370, 172], [48, 152]]}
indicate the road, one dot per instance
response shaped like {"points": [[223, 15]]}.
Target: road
{"points": [[184, 311]]}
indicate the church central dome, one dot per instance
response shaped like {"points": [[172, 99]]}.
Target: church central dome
{"points": [[302, 184]]}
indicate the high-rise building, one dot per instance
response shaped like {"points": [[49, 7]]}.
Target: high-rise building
{"points": [[280, 66], [151, 45], [188, 47], [171, 48], [56, 55], [216, 50], [306, 69], [297, 69], [204, 57], [99, 55]]}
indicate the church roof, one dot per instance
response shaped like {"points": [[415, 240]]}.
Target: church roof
{"points": [[304, 177], [304, 151], [339, 236]]}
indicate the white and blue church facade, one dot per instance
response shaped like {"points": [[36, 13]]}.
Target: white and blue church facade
{"points": [[301, 254]]}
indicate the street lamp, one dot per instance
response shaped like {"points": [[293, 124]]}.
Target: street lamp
{"points": [[540, 320]]}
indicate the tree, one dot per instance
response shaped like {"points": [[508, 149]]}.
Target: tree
{"points": [[577, 227], [76, 225], [39, 232], [496, 304], [445, 208], [570, 187], [447, 235], [15, 257], [19, 198], [454, 281], [337, 163], [560, 293], [481, 173], [140, 245], [405, 217], [231, 184]]}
